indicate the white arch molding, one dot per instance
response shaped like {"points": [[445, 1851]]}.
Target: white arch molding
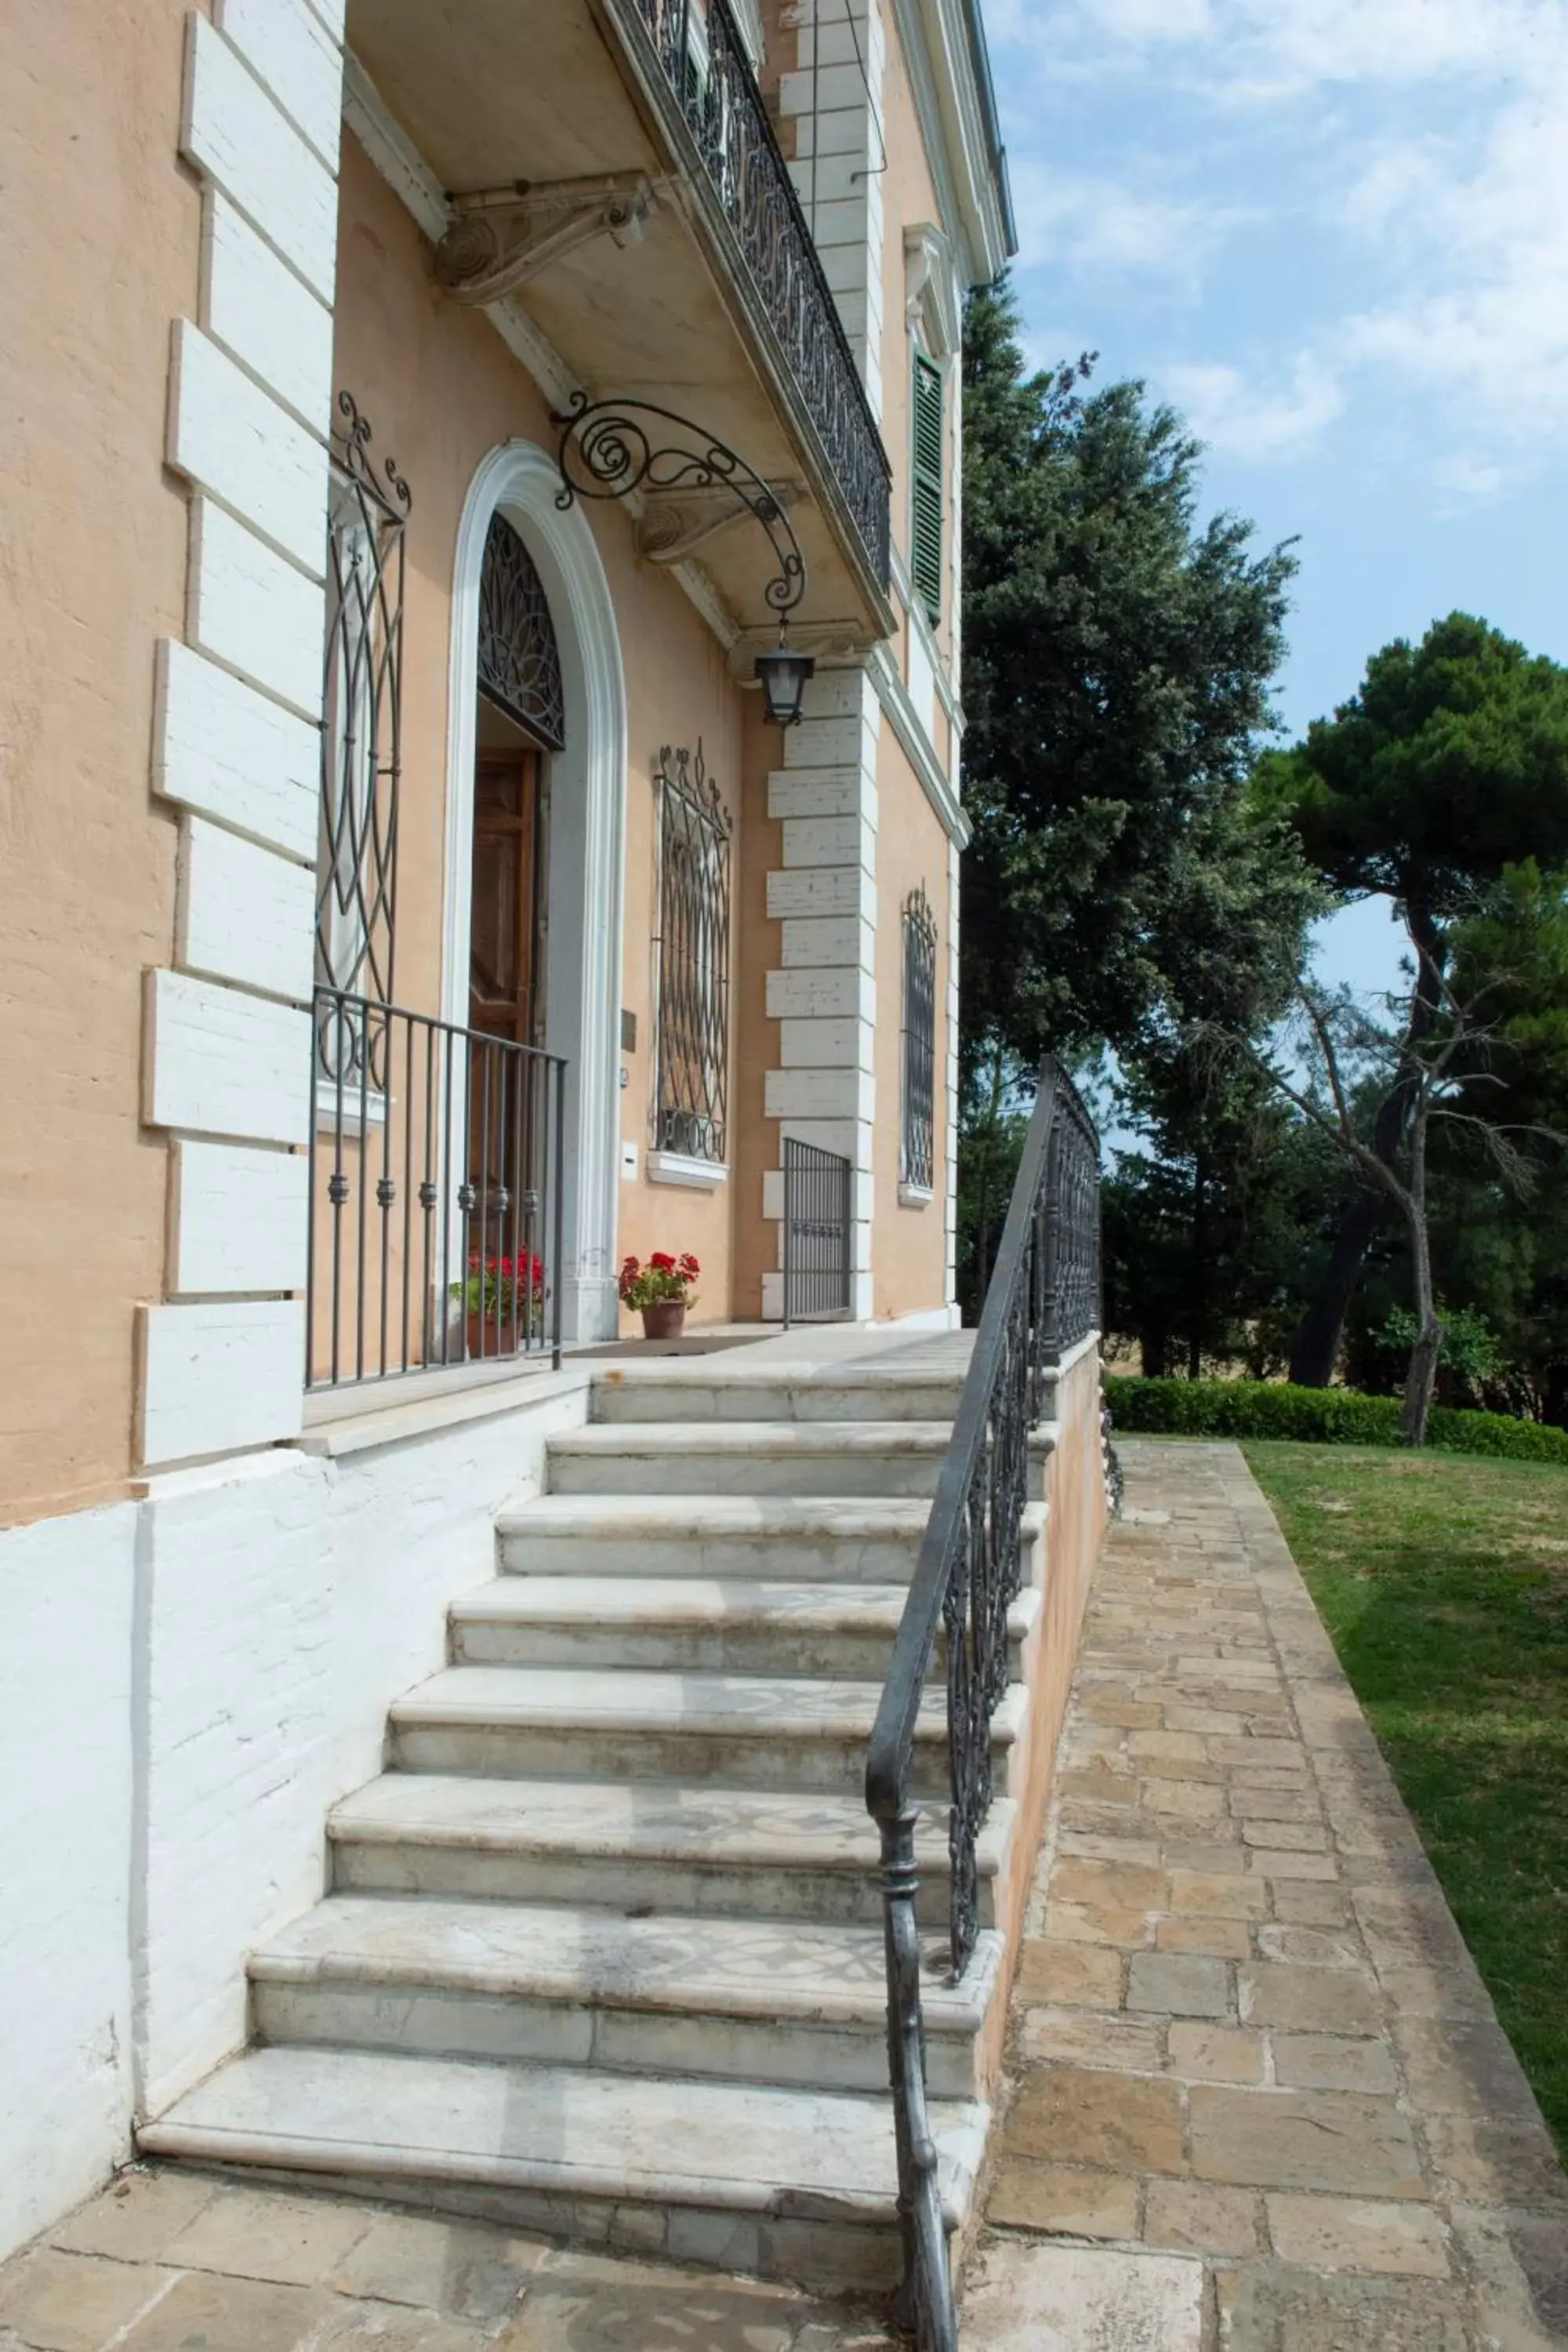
{"points": [[586, 884]]}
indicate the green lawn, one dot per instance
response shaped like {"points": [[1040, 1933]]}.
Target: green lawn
{"points": [[1444, 1582]]}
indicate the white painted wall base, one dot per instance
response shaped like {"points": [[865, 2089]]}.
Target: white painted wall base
{"points": [[67, 1588], [195, 1679]]}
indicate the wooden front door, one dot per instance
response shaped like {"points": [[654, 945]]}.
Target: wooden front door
{"points": [[506, 962]]}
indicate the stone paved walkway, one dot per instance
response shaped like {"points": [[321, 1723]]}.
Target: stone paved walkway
{"points": [[165, 2261], [1245, 2032]]}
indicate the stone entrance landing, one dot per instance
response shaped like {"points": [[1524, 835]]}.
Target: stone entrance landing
{"points": [[1249, 2048]]}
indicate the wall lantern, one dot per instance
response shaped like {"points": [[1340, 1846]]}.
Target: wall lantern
{"points": [[608, 449], [782, 675]]}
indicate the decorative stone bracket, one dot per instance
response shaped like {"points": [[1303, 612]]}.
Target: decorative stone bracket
{"points": [[675, 523], [504, 237]]}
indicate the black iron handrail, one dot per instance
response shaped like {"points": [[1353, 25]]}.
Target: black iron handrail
{"points": [[704, 62], [1043, 1297], [436, 1196]]}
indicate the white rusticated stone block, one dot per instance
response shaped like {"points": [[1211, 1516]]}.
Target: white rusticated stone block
{"points": [[813, 995], [837, 693], [819, 1094], [822, 890], [253, 610], [233, 133], [245, 914], [287, 47], [231, 438], [848, 268], [825, 1044], [832, 88], [239, 1218], [816, 792], [829, 841], [838, 178], [221, 747], [818, 940], [216, 1378], [824, 743], [845, 132], [218, 1061], [253, 305], [850, 1138]]}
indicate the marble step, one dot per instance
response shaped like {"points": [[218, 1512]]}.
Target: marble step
{"points": [[749, 1457], [856, 1541], [705, 1388], [696, 1624], [760, 1851], [796, 2185], [742, 1730], [764, 2000]]}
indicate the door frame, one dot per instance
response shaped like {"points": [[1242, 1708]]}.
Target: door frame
{"points": [[587, 847]]}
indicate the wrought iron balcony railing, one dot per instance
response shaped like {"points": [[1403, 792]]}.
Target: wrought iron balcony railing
{"points": [[704, 61], [1043, 1297]]}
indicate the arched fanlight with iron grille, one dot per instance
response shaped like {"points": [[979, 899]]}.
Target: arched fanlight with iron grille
{"points": [[520, 664]]}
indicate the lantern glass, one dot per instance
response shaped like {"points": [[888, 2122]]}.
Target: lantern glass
{"points": [[782, 674]]}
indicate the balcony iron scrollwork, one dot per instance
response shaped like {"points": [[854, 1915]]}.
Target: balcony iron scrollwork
{"points": [[703, 58], [1043, 1298], [616, 449]]}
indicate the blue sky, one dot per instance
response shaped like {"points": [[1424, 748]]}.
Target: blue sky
{"points": [[1335, 233]]}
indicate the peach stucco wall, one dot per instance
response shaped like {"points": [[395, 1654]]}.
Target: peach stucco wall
{"points": [[101, 251], [442, 390]]}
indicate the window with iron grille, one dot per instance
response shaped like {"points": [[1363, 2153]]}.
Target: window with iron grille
{"points": [[925, 535], [362, 753], [917, 1151], [692, 961]]}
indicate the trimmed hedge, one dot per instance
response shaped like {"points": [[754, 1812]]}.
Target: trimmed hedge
{"points": [[1317, 1417]]}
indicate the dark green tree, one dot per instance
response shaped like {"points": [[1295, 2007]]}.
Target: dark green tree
{"points": [[1117, 654], [1448, 766]]}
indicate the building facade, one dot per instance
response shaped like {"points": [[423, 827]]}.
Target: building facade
{"points": [[423, 419]]}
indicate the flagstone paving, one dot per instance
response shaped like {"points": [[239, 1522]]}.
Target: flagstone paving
{"points": [[1251, 2060]]}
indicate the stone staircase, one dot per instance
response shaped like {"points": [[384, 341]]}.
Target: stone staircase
{"points": [[603, 1952]]}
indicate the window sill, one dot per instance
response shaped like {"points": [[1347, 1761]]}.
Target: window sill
{"points": [[915, 1196], [359, 1111], [676, 1168]]}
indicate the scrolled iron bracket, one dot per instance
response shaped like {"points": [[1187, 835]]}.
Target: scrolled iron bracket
{"points": [[606, 450]]}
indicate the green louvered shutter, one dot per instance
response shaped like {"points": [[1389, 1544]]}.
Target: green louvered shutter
{"points": [[925, 553]]}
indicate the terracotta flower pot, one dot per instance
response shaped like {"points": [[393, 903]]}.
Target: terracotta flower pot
{"points": [[665, 1320]]}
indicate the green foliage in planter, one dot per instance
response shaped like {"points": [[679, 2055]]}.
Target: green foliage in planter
{"points": [[1316, 1416]]}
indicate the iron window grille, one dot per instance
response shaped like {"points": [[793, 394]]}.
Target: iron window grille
{"points": [[917, 1147], [925, 532], [692, 961], [361, 749], [520, 664]]}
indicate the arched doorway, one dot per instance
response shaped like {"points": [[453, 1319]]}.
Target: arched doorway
{"points": [[536, 796]]}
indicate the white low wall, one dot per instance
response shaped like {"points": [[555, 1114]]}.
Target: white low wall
{"points": [[192, 1681]]}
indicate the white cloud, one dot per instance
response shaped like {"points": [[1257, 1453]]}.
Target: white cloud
{"points": [[1477, 307], [1243, 419], [1088, 223]]}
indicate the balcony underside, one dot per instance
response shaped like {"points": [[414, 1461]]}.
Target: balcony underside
{"points": [[494, 95]]}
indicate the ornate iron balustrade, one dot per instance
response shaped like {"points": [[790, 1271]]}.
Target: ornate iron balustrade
{"points": [[704, 61], [436, 1195], [818, 1191], [1043, 1298]]}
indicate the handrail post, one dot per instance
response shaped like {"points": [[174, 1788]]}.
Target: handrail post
{"points": [[925, 2297]]}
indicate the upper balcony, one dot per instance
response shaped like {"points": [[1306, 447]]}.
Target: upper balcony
{"points": [[612, 169]]}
